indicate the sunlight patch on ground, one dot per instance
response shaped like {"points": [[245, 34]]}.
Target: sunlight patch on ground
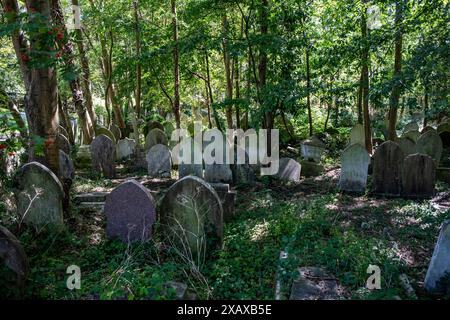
{"points": [[259, 231]]}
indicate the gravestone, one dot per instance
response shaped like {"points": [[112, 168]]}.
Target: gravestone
{"points": [[13, 256], [63, 143], [189, 169], [412, 134], [444, 126], [407, 145], [312, 149], [418, 176], [411, 126], [192, 217], [152, 124], [83, 155], [217, 172], [357, 135], [242, 172], [130, 212], [125, 148], [66, 169], [430, 144], [427, 128], [443, 131], [63, 131], [103, 153], [227, 199], [115, 131], [439, 267], [39, 196], [288, 169], [159, 161], [311, 169], [105, 131], [387, 168], [154, 137], [354, 167]]}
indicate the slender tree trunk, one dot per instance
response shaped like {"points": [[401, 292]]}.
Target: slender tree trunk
{"points": [[176, 65], [237, 68], [138, 63], [228, 73], [396, 88], [365, 79], [211, 97], [359, 101], [308, 94], [425, 111]]}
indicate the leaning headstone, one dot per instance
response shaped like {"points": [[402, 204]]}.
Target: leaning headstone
{"points": [[411, 126], [357, 135], [418, 176], [13, 256], [154, 137], [103, 152], [407, 145], [63, 131], [354, 167], [39, 196], [289, 170], [437, 280], [412, 134], [102, 130], [125, 148], [192, 217], [430, 144], [159, 161], [312, 149], [387, 168], [66, 169], [115, 131], [130, 212], [63, 143]]}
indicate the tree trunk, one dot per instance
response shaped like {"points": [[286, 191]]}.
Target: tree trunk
{"points": [[138, 63], [365, 79], [237, 68], [425, 110], [308, 94], [176, 66], [359, 101], [211, 98], [228, 76], [396, 87]]}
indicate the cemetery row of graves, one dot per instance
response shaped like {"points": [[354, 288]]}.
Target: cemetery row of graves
{"points": [[139, 227]]}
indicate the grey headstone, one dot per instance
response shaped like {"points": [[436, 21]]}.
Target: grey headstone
{"points": [[289, 169], [189, 169], [354, 165], [105, 131], [387, 168], [103, 152], [154, 137], [407, 145], [242, 172], [412, 134], [357, 135], [430, 143], [130, 212], [84, 154], [63, 143], [311, 169], [39, 195], [66, 169], [115, 131], [313, 149], [439, 267], [13, 255], [418, 176], [192, 217], [152, 124], [159, 161], [411, 126], [125, 148]]}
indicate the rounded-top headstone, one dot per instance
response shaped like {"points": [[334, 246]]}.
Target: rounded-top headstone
{"points": [[387, 168], [154, 137], [66, 168], [130, 212], [430, 143], [125, 148], [411, 126], [13, 255], [154, 125], [407, 145], [115, 131], [39, 195], [103, 154], [63, 131], [159, 161], [105, 131], [192, 216], [357, 135], [63, 143], [354, 166], [412, 134]]}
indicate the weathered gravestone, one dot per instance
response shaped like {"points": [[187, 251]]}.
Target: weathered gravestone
{"points": [[188, 167], [66, 168], [354, 166], [411, 126], [130, 212], [437, 280], [412, 134], [387, 168], [152, 124], [418, 176], [102, 130], [357, 135], [154, 137], [443, 131], [13, 256], [39, 196], [159, 161], [430, 144], [63, 143], [103, 153], [312, 149], [407, 145], [227, 199], [192, 217], [220, 170], [83, 156], [115, 131], [63, 131], [242, 169], [289, 170], [125, 148]]}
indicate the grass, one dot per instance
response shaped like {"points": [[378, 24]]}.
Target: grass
{"points": [[342, 233]]}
